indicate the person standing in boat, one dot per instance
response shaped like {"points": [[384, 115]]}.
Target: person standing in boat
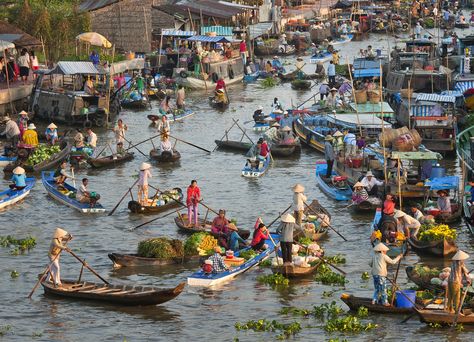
{"points": [[299, 200], [180, 95], [18, 179], [350, 143], [58, 244], [331, 73], [286, 230], [458, 275], [164, 127], [119, 131], [11, 132], [91, 138], [277, 105], [379, 273], [338, 142], [143, 183], [30, 137], [51, 134], [371, 183], [328, 155], [286, 121], [22, 122], [192, 201], [332, 99]]}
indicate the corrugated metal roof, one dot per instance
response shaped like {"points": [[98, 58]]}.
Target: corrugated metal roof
{"points": [[92, 5], [178, 33], [208, 39], [462, 86], [208, 8], [363, 63], [74, 68], [435, 98], [259, 29], [219, 30]]}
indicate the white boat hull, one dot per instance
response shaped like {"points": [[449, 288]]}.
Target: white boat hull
{"points": [[83, 210], [14, 200], [196, 83]]}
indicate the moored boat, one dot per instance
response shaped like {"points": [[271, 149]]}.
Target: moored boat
{"points": [[134, 260], [444, 317], [66, 194], [463, 150], [10, 197], [336, 187], [156, 155], [175, 116], [4, 160], [322, 56], [293, 271], [278, 150], [439, 248], [354, 303], [111, 160], [250, 172], [160, 203], [300, 85], [369, 205], [309, 134], [115, 294], [260, 127]]}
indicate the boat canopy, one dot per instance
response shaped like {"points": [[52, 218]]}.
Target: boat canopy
{"points": [[443, 183], [426, 97], [130, 64], [418, 155], [359, 73], [177, 33], [462, 86], [353, 121], [376, 108], [73, 68], [209, 39]]}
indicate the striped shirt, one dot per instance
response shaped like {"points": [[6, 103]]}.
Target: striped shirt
{"points": [[218, 264]]}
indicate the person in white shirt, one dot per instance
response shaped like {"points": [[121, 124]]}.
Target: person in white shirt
{"points": [[379, 273], [143, 183], [82, 194], [299, 200], [24, 64], [350, 143], [165, 146], [406, 222], [119, 131], [164, 127], [371, 183], [91, 138]]}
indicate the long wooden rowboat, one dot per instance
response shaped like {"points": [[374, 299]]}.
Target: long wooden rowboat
{"points": [[369, 205], [278, 150], [166, 158], [133, 260], [203, 226], [200, 278], [444, 317], [63, 195], [422, 282], [155, 205], [10, 197], [115, 294], [438, 248], [337, 193], [292, 271], [354, 303], [321, 232], [112, 160]]}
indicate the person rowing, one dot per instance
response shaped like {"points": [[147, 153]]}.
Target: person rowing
{"points": [[165, 147], [18, 179], [58, 244], [258, 116], [60, 175]]}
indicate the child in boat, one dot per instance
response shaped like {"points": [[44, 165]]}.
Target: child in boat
{"points": [[379, 273]]}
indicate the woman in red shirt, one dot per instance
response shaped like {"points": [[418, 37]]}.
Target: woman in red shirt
{"points": [[220, 84], [192, 200], [259, 236]]}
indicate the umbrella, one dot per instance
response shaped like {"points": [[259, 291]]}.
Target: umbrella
{"points": [[6, 45], [95, 39]]}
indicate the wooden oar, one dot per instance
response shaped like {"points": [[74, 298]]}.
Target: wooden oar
{"points": [[226, 132], [279, 216], [207, 207], [350, 205], [116, 206], [243, 131], [459, 309], [314, 212], [87, 266], [201, 148], [141, 142], [133, 146], [395, 280], [156, 218]]}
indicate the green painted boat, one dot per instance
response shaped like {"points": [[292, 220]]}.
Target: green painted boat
{"points": [[463, 151]]}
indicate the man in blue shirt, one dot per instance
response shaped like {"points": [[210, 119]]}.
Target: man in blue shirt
{"points": [[331, 72], [94, 58]]}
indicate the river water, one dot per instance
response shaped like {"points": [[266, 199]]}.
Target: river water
{"points": [[197, 313]]}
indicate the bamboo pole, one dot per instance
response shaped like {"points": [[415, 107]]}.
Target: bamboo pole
{"points": [[383, 133], [353, 95], [8, 81], [399, 183], [409, 104], [200, 61]]}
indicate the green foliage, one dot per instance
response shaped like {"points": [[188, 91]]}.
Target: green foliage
{"points": [[268, 82], [305, 241], [162, 248], [347, 324], [327, 277], [41, 153], [321, 312], [327, 294], [14, 274], [265, 263], [5, 329], [248, 254], [365, 276], [341, 69], [362, 312], [274, 280], [429, 23], [286, 330], [336, 259], [20, 245]]}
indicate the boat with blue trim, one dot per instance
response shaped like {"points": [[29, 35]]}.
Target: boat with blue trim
{"points": [[336, 187], [10, 197], [4, 160], [251, 172], [463, 151], [397, 247], [178, 115]]}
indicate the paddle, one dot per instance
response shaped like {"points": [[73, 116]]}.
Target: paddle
{"points": [[350, 205], [156, 218], [116, 206], [334, 266], [40, 279], [314, 212], [205, 206], [395, 280], [133, 146], [459, 309], [279, 216], [201, 148], [87, 266]]}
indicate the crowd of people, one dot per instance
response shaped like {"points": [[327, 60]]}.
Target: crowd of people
{"points": [[18, 67]]}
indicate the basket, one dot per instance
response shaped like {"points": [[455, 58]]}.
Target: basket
{"points": [[374, 96], [361, 96], [416, 137], [406, 93]]}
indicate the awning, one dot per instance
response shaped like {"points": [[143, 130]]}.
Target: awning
{"points": [[208, 39], [366, 73], [131, 64], [177, 33], [376, 108], [443, 183], [427, 155], [435, 98], [259, 29], [74, 68], [364, 63], [6, 45], [462, 86], [10, 37], [353, 121], [224, 31], [454, 93]]}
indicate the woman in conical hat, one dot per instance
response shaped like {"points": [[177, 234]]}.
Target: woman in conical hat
{"points": [[379, 273], [143, 176], [459, 273], [51, 133], [58, 244], [286, 230], [299, 200], [18, 179]]}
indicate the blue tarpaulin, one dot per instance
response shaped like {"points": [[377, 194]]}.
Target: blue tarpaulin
{"points": [[443, 183], [208, 39], [366, 73]]}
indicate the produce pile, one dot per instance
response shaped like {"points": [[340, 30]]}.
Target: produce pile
{"points": [[42, 153], [168, 196], [199, 244], [162, 248], [424, 272], [248, 254], [433, 232]]}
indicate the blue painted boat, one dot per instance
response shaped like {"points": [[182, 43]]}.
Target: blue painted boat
{"points": [[200, 278], [4, 160], [172, 117], [395, 249], [10, 197], [251, 77], [336, 193], [63, 196], [342, 39], [250, 172], [322, 57], [260, 127]]}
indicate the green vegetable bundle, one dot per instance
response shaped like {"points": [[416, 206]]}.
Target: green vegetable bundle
{"points": [[248, 254], [200, 243], [426, 272], [41, 153], [161, 248]]}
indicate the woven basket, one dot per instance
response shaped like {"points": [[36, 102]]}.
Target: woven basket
{"points": [[361, 96]]}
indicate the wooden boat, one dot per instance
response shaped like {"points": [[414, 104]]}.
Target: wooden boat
{"points": [[157, 204], [338, 193], [48, 164], [322, 57], [219, 105], [300, 85], [308, 135], [4, 160], [260, 127], [320, 232], [137, 102], [463, 151], [461, 25], [421, 282], [395, 248], [438, 248], [369, 205], [250, 78], [181, 115], [63, 195], [203, 226], [116, 294], [444, 317], [133, 260], [354, 303], [156, 155], [250, 172], [342, 39], [111, 160], [200, 278], [10, 197], [291, 76], [278, 150], [234, 145], [292, 271]]}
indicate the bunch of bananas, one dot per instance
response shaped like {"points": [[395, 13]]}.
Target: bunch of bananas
{"points": [[206, 245]]}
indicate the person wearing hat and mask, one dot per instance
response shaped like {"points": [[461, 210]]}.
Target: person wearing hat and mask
{"points": [[18, 179], [258, 116], [143, 176], [350, 143], [58, 244], [379, 273], [328, 155], [272, 134], [332, 99], [218, 264], [459, 273], [286, 121], [30, 137], [338, 142], [60, 175], [260, 235], [234, 238], [192, 200], [299, 200], [371, 183], [444, 202], [285, 230], [51, 134], [405, 223], [331, 73], [22, 122], [359, 194], [11, 132], [324, 90]]}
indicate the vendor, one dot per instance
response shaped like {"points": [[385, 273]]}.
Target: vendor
{"points": [[416, 213], [371, 183], [285, 230], [218, 264], [444, 202], [299, 200], [458, 273], [258, 116], [379, 273], [359, 194], [18, 179], [220, 224], [30, 137], [286, 121], [234, 238], [406, 222], [260, 235]]}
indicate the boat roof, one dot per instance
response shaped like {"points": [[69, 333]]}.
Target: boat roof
{"points": [[130, 64], [443, 183], [177, 33], [426, 97], [359, 73], [373, 108], [420, 42], [209, 39], [354, 120], [73, 68]]}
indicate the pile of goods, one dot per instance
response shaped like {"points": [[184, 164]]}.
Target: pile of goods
{"points": [[396, 238], [161, 248], [166, 197], [42, 153], [433, 232], [302, 256], [199, 244], [248, 254], [400, 139], [432, 275]]}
